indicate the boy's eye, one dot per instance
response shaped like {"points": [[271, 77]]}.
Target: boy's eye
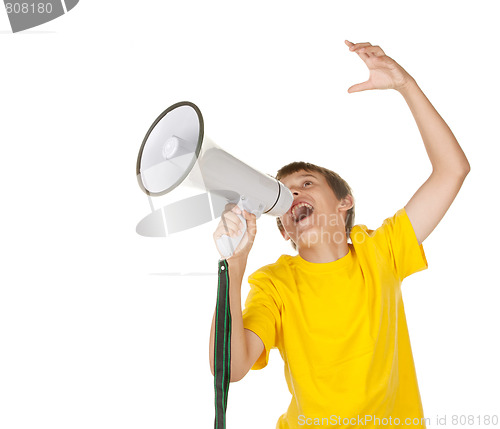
{"points": [[307, 183]]}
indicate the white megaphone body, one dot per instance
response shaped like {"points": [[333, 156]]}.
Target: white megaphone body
{"points": [[175, 151]]}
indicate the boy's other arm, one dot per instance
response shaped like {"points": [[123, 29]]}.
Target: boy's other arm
{"points": [[246, 346], [449, 165]]}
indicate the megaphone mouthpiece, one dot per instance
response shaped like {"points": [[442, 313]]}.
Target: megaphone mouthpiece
{"points": [[176, 146]]}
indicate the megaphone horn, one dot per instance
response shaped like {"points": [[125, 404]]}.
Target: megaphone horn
{"points": [[175, 151]]}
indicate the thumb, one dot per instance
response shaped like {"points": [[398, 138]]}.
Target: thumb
{"points": [[360, 87], [247, 240], [251, 222]]}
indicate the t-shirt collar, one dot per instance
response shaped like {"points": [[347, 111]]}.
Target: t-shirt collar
{"points": [[345, 261]]}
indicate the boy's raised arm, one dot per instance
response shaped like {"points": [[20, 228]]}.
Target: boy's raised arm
{"points": [[449, 164]]}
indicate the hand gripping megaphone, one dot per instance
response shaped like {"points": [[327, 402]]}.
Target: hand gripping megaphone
{"points": [[176, 151]]}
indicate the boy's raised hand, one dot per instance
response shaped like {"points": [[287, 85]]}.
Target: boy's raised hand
{"points": [[385, 73]]}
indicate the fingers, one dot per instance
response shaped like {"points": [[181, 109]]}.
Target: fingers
{"points": [[355, 46], [372, 51], [230, 224], [365, 50]]}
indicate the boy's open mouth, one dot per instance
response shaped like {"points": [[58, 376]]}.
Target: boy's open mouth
{"points": [[301, 211]]}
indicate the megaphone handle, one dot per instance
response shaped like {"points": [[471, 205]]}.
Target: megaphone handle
{"points": [[226, 244]]}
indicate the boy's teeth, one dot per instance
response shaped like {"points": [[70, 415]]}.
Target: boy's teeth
{"points": [[297, 207]]}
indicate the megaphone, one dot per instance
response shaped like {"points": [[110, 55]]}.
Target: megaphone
{"points": [[175, 151]]}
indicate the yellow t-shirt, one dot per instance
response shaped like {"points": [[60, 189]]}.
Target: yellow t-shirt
{"points": [[341, 330]]}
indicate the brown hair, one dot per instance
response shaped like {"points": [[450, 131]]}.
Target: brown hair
{"points": [[338, 185]]}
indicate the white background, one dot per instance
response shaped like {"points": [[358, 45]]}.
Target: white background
{"points": [[95, 331]]}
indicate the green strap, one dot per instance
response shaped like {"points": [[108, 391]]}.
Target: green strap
{"points": [[222, 348]]}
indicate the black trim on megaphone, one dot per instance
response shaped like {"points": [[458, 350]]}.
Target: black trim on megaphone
{"points": [[277, 199], [198, 148]]}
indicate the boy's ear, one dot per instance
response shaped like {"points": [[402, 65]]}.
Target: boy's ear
{"points": [[346, 203]]}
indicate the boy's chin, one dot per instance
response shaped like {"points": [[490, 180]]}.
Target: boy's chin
{"points": [[313, 236], [309, 237]]}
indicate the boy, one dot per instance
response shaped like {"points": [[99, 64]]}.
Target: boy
{"points": [[335, 311]]}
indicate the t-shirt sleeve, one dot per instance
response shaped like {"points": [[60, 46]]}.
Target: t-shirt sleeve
{"points": [[262, 313], [398, 235]]}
